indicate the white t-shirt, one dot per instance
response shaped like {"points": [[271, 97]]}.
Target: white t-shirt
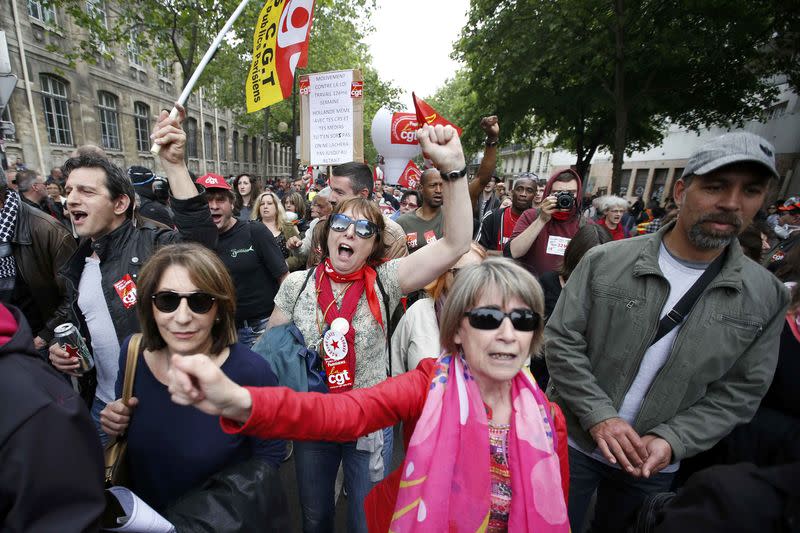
{"points": [[416, 337], [680, 275], [105, 346]]}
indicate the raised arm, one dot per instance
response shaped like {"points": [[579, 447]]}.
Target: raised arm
{"points": [[443, 147], [172, 139], [191, 213], [492, 129]]}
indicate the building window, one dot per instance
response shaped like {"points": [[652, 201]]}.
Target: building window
{"points": [[191, 137], [639, 182], [141, 118], [776, 111], [659, 182], [208, 140], [245, 148], [254, 153], [5, 116], [222, 140], [109, 121], [97, 9], [164, 68], [135, 54], [42, 13], [235, 145], [623, 183], [56, 110]]}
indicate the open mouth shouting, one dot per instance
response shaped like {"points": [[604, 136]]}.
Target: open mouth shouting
{"points": [[345, 251], [78, 217]]}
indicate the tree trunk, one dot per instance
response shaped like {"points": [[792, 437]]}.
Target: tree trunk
{"points": [[530, 156], [620, 104]]}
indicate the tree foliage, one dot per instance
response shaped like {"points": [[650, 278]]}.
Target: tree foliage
{"points": [[180, 31], [613, 73]]}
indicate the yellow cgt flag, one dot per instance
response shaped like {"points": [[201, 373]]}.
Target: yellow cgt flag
{"points": [[280, 46]]}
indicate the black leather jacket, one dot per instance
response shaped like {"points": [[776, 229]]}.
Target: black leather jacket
{"points": [[123, 251], [41, 248]]}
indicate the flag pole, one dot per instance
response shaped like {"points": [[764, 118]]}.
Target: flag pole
{"points": [[155, 148]]}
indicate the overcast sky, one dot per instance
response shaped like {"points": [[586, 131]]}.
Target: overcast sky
{"points": [[412, 42]]}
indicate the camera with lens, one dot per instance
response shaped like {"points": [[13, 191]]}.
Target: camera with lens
{"points": [[161, 189], [564, 200]]}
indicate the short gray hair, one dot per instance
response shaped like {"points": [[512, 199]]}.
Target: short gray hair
{"points": [[500, 275], [604, 203]]}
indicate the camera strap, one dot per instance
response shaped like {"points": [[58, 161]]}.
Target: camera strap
{"points": [[685, 304]]}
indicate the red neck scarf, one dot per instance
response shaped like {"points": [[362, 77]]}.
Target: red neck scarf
{"points": [[366, 274], [362, 280]]}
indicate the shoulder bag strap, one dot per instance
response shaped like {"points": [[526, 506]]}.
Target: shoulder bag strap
{"points": [[302, 288], [685, 304], [130, 367]]}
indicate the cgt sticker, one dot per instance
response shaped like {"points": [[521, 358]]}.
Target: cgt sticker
{"points": [[126, 289]]}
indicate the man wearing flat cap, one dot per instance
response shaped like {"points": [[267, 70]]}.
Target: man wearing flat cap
{"points": [[660, 345]]}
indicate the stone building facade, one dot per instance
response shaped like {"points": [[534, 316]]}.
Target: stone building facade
{"points": [[112, 103]]}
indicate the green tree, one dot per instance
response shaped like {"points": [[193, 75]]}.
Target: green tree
{"points": [[181, 31], [612, 74]]}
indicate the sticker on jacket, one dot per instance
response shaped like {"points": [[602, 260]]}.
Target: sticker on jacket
{"points": [[126, 289], [557, 245]]}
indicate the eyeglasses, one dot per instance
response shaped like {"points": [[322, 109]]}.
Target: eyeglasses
{"points": [[364, 228], [168, 301], [408, 204], [488, 318]]}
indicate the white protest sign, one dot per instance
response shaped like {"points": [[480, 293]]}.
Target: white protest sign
{"points": [[331, 117]]}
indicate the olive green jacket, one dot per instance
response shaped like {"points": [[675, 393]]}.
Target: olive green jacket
{"points": [[722, 361]]}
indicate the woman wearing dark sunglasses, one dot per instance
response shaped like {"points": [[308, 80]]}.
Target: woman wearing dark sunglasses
{"points": [[342, 310], [485, 449], [186, 306]]}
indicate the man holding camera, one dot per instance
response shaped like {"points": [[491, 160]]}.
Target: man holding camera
{"points": [[541, 235]]}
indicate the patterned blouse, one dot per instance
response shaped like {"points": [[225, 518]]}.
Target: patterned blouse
{"points": [[500, 477], [372, 359]]}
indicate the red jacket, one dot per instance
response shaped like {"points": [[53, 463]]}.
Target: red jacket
{"points": [[279, 412]]}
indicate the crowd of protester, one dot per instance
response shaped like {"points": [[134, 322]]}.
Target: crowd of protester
{"points": [[259, 319]]}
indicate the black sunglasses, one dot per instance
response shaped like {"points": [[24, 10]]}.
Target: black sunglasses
{"points": [[489, 318], [168, 301], [364, 228]]}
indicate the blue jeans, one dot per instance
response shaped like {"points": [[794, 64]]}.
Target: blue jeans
{"points": [[619, 495], [316, 464], [97, 406], [251, 330]]}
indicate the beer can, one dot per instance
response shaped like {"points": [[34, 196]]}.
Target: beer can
{"points": [[70, 339]]}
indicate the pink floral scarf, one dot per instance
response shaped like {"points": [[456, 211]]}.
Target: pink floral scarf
{"points": [[445, 485]]}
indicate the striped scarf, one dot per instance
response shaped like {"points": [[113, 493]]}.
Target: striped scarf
{"points": [[8, 223]]}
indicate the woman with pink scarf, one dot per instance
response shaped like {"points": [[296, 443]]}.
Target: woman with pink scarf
{"points": [[485, 450]]}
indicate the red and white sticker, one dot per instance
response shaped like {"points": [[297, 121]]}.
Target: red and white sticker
{"points": [[411, 239], [335, 348], [126, 289], [357, 89], [430, 236], [304, 85]]}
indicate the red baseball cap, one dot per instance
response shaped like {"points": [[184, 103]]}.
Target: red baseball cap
{"points": [[213, 181]]}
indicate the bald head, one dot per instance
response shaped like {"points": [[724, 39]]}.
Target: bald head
{"points": [[427, 175]]}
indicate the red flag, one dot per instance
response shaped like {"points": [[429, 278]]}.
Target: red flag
{"points": [[428, 115], [410, 176]]}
